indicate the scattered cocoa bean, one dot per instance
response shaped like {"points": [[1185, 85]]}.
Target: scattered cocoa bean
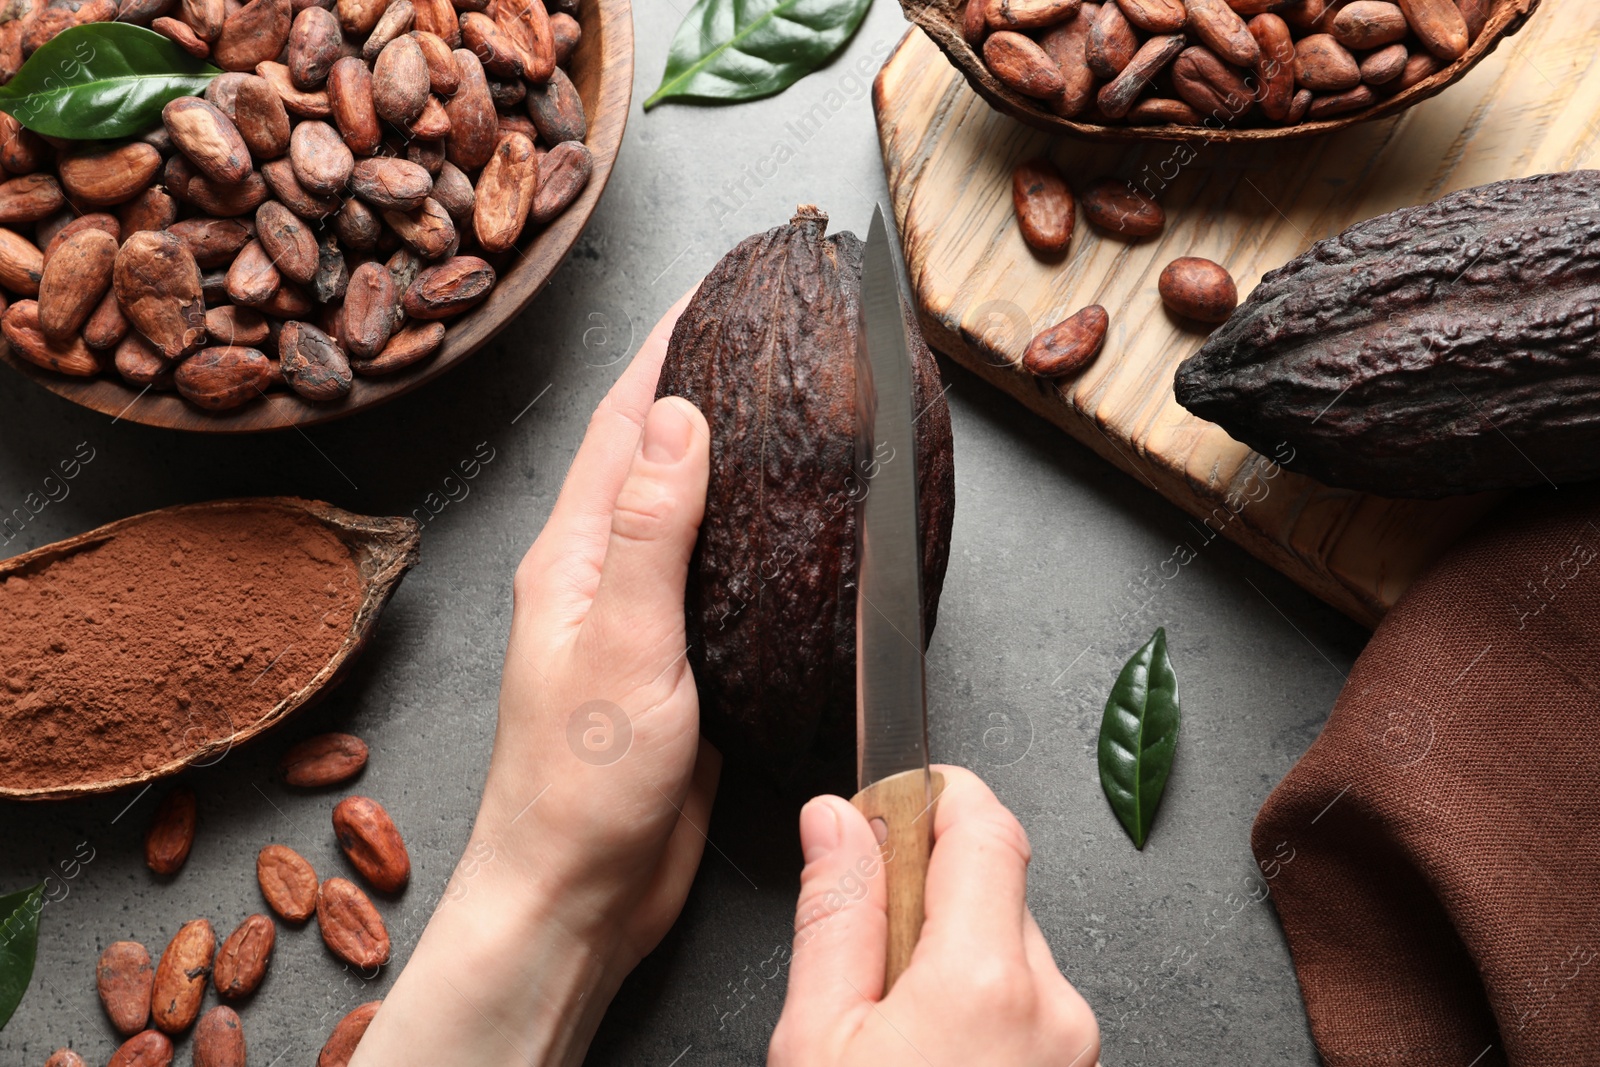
{"points": [[148, 1049], [123, 978], [324, 760], [219, 1039], [1069, 345], [288, 883], [153, 209], [1115, 207], [180, 979], [216, 198], [351, 927], [1043, 203], [307, 104], [171, 834], [347, 1034], [208, 137], [1198, 289], [254, 34], [65, 1057], [242, 960], [527, 24]]}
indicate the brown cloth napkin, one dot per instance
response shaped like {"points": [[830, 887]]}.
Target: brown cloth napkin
{"points": [[1435, 855]]}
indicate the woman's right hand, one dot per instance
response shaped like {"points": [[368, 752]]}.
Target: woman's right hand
{"points": [[981, 988]]}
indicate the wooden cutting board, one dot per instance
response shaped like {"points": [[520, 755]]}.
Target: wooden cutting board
{"points": [[1532, 106]]}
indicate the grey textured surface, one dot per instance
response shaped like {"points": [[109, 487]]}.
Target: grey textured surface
{"points": [[1056, 575]]}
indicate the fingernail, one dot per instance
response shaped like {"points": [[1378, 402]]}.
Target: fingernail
{"points": [[666, 433], [820, 831]]}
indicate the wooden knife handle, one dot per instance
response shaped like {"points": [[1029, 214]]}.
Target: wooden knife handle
{"points": [[905, 802]]}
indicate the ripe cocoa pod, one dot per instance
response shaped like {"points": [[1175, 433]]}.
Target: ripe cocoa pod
{"points": [[557, 110], [180, 979], [1069, 345], [386, 182], [1112, 42], [20, 324], [216, 198], [288, 241], [1116, 207], [563, 172], [137, 362], [1223, 30], [255, 33], [231, 325], [288, 883], [347, 1034], [107, 325], [208, 137], [1439, 25], [123, 978], [321, 161], [21, 263], [1068, 45], [1323, 65], [372, 843], [242, 960], [280, 179], [505, 193], [261, 118], [223, 377], [314, 46], [1198, 289], [351, 927], [324, 760], [312, 363], [171, 834], [75, 279], [350, 94], [1155, 16], [148, 1049], [395, 20], [444, 76], [30, 198], [1116, 98], [400, 83], [152, 209], [65, 1057], [213, 242], [416, 342], [1043, 203], [448, 289], [219, 1039], [306, 104], [1021, 64], [778, 657]]}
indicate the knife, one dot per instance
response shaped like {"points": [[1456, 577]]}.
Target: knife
{"points": [[896, 791]]}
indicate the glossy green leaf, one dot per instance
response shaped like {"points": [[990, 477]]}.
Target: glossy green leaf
{"points": [[102, 80], [744, 49], [19, 940], [1138, 736]]}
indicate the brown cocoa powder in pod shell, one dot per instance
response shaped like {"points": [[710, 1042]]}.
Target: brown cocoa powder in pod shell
{"points": [[242, 959], [288, 883], [563, 172], [1198, 289], [350, 94], [223, 377], [123, 978], [76, 276], [171, 834], [65, 1057], [347, 1033], [1043, 205], [180, 980], [151, 1048], [416, 342], [137, 362], [473, 129], [1069, 345], [505, 193], [448, 289], [312, 363], [372, 843], [1115, 207], [324, 760], [30, 198], [262, 120], [219, 1039], [20, 325], [254, 34], [21, 263], [351, 927]]}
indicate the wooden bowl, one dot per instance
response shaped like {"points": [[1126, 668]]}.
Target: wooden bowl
{"points": [[941, 20], [384, 549], [602, 70]]}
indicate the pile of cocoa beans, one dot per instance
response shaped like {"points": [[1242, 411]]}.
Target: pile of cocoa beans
{"points": [[1217, 62], [351, 182]]}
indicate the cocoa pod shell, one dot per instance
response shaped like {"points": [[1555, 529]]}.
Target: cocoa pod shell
{"points": [[20, 324], [180, 979], [151, 1048], [372, 843], [324, 760], [350, 926], [1069, 345], [1198, 289], [563, 172], [75, 279], [312, 363], [288, 883], [347, 1034], [448, 289], [123, 977], [242, 960]]}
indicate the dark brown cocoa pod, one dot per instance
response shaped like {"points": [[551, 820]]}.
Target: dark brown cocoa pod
{"points": [[444, 76], [314, 46], [213, 242], [239, 326], [557, 110], [563, 172], [262, 120], [416, 342], [350, 94], [222, 378], [153, 209], [449, 288], [370, 301], [157, 282], [254, 34], [386, 182], [400, 83], [139, 364], [215, 198], [473, 129], [287, 240], [313, 364], [1069, 345], [775, 658], [358, 225], [281, 180]]}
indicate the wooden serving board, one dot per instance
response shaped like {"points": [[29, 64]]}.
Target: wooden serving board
{"points": [[1532, 106]]}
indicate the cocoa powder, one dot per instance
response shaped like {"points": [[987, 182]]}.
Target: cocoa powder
{"points": [[172, 634]]}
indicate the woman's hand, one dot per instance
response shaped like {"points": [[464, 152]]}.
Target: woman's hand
{"points": [[599, 789], [981, 988]]}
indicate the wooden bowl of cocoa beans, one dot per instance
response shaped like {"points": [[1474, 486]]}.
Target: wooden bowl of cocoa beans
{"points": [[1212, 70], [365, 195]]}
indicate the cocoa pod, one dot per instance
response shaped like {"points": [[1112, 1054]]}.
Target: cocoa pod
{"points": [[1112, 42], [215, 198], [1069, 345], [396, 19], [563, 172], [369, 310], [148, 1049], [322, 162], [208, 137], [482, 35], [75, 278], [1368, 24], [357, 225], [358, 17], [557, 110], [386, 182], [239, 326], [123, 978], [65, 1057], [434, 122], [20, 324], [30, 198], [223, 377], [205, 17], [101, 177], [314, 46], [1043, 204], [1021, 64], [1116, 98], [1161, 111], [253, 279], [350, 94], [312, 364], [526, 23], [448, 289], [171, 834], [288, 883], [400, 83], [1276, 69], [1439, 25], [453, 189], [372, 843], [473, 129], [333, 275], [1115, 207], [107, 325], [1327, 105], [213, 242], [347, 1034], [1155, 16], [21, 151], [306, 104], [505, 193], [1068, 45], [219, 1039], [242, 960], [261, 118], [180, 979], [444, 77], [157, 284], [153, 209], [137, 362], [1223, 30], [439, 18], [1323, 65], [1198, 289], [324, 760], [281, 180], [21, 263], [1210, 86], [351, 927], [254, 34], [428, 230], [416, 342], [566, 35]]}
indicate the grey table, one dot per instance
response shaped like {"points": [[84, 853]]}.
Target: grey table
{"points": [[1055, 578]]}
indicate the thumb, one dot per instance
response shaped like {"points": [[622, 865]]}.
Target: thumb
{"points": [[654, 522], [841, 923]]}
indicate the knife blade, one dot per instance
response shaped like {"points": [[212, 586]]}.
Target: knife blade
{"points": [[896, 790]]}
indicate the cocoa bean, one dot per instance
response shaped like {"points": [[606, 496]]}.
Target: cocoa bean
{"points": [[216, 198], [324, 760], [153, 209], [526, 24], [1160, 111], [400, 82], [1323, 65], [1224, 31], [416, 342], [171, 834], [222, 92], [288, 883], [254, 34], [512, 122], [1439, 25], [351, 927], [443, 75], [1026, 14], [214, 286], [313, 364], [1368, 24], [1116, 98], [1069, 345], [358, 17], [287, 241], [261, 118], [101, 177], [494, 49], [310, 105], [29, 198], [974, 24], [20, 324], [123, 978], [1419, 68], [98, 220], [1068, 45], [1476, 15], [1326, 105], [357, 225], [213, 242], [557, 110], [21, 263], [242, 960], [180, 979], [434, 122], [21, 151], [386, 182], [205, 17], [45, 24], [1155, 16], [280, 178], [1043, 204], [1112, 42], [149, 1049], [218, 379], [347, 1034], [157, 283], [1022, 65], [1384, 65], [473, 129], [1210, 86], [1276, 69], [253, 279], [314, 46], [396, 20], [1198, 289], [1310, 16], [1251, 8], [1116, 207], [107, 325], [238, 326], [138, 364], [404, 266], [177, 174], [370, 301], [439, 18], [75, 278], [208, 137], [505, 193], [453, 189], [563, 173], [427, 229], [65, 1057], [180, 34], [219, 1039], [1299, 106], [447, 289], [333, 276], [321, 161], [350, 93], [566, 35]]}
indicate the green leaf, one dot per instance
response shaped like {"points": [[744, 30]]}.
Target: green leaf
{"points": [[19, 940], [102, 80], [1138, 736], [745, 49]]}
